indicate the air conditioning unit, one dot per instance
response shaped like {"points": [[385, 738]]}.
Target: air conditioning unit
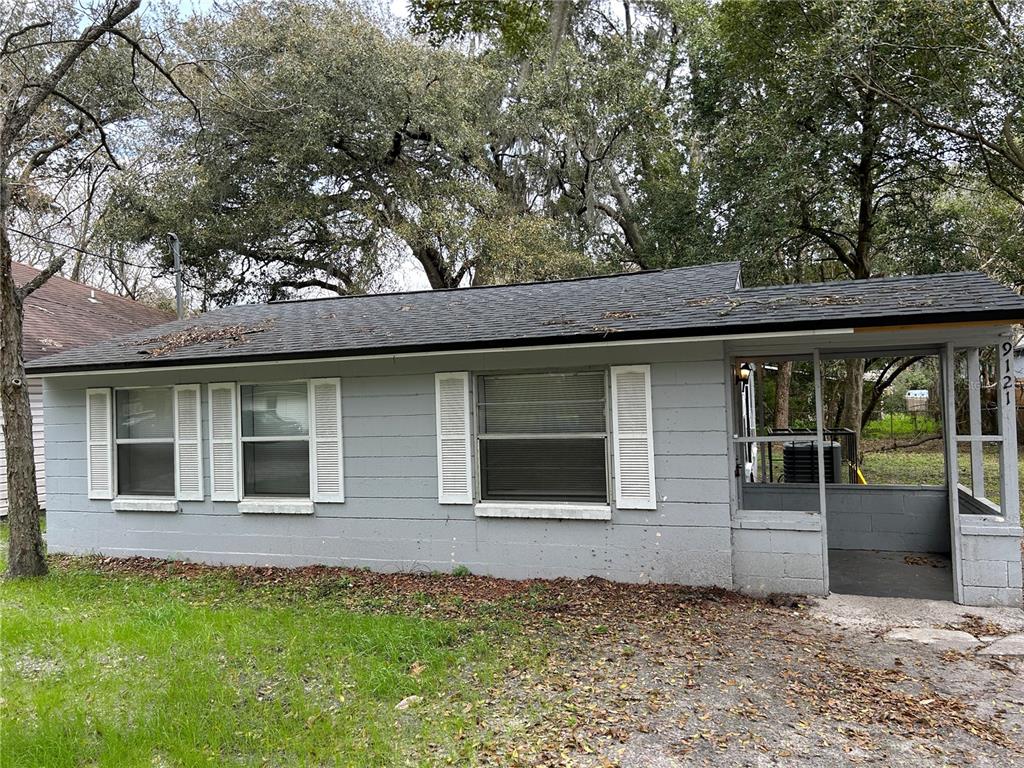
{"points": [[800, 462]]}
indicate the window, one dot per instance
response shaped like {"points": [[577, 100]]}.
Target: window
{"points": [[543, 437], [275, 439], [145, 441]]}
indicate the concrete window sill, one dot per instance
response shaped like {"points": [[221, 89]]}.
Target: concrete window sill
{"points": [[275, 507], [544, 511], [144, 505]]}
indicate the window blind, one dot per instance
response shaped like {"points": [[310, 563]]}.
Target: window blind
{"points": [[543, 437]]}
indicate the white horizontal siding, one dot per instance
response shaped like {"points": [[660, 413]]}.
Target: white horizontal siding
{"points": [[35, 394]]}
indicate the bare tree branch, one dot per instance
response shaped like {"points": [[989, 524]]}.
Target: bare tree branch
{"points": [[23, 31], [36, 282], [92, 119], [19, 117]]}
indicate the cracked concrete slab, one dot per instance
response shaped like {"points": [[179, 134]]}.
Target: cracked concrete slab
{"points": [[884, 613], [1011, 645], [942, 639]]}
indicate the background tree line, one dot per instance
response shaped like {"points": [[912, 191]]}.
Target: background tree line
{"points": [[513, 140]]}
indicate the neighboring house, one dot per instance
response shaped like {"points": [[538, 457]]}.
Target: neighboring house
{"points": [[572, 428], [60, 315]]}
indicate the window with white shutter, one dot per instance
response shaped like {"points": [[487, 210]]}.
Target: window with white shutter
{"points": [[633, 437], [223, 442], [145, 460], [543, 437], [327, 481], [454, 476], [275, 439], [188, 443], [99, 444]]}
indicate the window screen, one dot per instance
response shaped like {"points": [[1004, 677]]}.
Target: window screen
{"points": [[543, 437], [144, 420], [275, 439]]}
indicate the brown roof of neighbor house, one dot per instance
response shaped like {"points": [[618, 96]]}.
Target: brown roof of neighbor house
{"points": [[63, 314]]}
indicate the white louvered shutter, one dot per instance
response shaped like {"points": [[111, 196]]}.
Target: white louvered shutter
{"points": [[633, 437], [454, 476], [327, 479], [99, 444], [188, 464], [223, 442]]}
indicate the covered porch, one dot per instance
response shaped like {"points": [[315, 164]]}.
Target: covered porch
{"points": [[809, 517]]}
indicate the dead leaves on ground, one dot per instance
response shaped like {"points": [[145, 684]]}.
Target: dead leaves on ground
{"points": [[705, 671], [975, 625]]}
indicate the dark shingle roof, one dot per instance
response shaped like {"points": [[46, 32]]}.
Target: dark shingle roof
{"points": [[63, 314], [657, 304]]}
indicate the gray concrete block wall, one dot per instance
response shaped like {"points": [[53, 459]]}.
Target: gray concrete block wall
{"points": [[883, 518], [990, 563], [391, 519], [778, 552]]}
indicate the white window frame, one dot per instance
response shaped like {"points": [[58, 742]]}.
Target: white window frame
{"points": [[301, 505], [546, 509], [141, 503]]}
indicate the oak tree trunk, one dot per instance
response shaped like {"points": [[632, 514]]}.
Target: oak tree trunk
{"points": [[853, 395], [25, 548], [783, 382]]}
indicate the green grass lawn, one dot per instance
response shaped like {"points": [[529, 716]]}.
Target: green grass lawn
{"points": [[123, 670], [900, 426]]}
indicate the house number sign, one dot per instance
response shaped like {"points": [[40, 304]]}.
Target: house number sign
{"points": [[1007, 376]]}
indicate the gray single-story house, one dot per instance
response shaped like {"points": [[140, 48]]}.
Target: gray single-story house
{"points": [[596, 426]]}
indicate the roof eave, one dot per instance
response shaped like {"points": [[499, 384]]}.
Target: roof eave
{"points": [[709, 332]]}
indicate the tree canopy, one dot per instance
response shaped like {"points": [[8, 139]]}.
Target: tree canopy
{"points": [[480, 142]]}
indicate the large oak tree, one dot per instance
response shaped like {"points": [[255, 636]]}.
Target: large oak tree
{"points": [[69, 78]]}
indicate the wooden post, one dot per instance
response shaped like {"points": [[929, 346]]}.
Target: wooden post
{"points": [[735, 471], [1009, 483], [974, 407], [952, 469], [819, 422]]}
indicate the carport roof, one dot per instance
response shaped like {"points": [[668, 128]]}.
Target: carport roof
{"points": [[671, 303]]}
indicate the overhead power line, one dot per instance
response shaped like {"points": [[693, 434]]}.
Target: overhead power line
{"points": [[84, 251]]}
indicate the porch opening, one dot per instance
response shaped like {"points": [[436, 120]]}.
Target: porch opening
{"points": [[877, 489]]}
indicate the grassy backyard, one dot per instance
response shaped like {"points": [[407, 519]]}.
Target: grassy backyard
{"points": [[927, 467]]}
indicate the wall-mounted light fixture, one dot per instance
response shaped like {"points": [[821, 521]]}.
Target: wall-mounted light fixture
{"points": [[743, 372]]}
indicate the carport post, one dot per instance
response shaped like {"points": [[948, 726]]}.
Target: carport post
{"points": [[974, 407], [819, 421], [946, 357]]}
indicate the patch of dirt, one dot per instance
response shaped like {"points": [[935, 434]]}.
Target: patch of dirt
{"points": [[642, 676], [33, 667]]}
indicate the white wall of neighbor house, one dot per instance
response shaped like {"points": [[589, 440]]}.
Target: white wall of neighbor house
{"points": [[391, 518], [35, 393]]}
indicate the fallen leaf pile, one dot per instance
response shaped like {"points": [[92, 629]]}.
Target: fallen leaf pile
{"points": [[231, 335], [975, 625]]}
